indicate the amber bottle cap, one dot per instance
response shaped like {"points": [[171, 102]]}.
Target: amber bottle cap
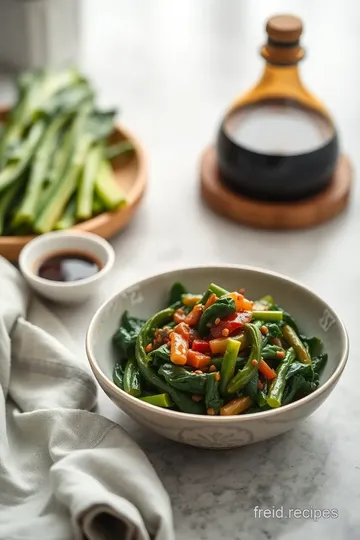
{"points": [[284, 29], [283, 46]]}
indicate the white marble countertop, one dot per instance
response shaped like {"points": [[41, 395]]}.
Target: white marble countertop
{"points": [[173, 67]]}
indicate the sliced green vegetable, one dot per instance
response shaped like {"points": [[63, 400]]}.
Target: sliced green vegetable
{"points": [[277, 386], [160, 400], [267, 315], [294, 341], [245, 375], [228, 365]]}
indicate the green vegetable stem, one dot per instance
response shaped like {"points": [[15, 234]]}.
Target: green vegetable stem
{"points": [[228, 364], [278, 384], [245, 375], [294, 341]]}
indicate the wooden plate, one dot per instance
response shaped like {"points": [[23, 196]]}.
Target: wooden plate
{"points": [[286, 215], [131, 175]]}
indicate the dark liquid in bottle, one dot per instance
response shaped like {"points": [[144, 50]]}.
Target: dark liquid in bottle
{"points": [[68, 266], [276, 150]]}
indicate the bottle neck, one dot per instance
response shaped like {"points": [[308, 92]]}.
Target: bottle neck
{"points": [[282, 54]]}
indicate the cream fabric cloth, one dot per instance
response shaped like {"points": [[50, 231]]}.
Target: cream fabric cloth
{"points": [[65, 472]]}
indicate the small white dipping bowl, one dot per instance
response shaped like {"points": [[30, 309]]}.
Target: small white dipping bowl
{"points": [[48, 244], [314, 316]]}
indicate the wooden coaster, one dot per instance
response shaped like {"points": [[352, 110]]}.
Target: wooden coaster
{"points": [[284, 215]]}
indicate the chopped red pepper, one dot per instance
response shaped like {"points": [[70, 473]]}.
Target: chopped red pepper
{"points": [[197, 359], [179, 340], [195, 315], [179, 316], [201, 345], [210, 301], [231, 323], [183, 329]]}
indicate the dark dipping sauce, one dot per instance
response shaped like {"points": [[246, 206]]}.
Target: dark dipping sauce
{"points": [[68, 266]]}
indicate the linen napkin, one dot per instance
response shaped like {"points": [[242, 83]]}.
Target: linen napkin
{"points": [[65, 472]]}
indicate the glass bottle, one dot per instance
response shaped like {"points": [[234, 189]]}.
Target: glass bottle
{"points": [[278, 142]]}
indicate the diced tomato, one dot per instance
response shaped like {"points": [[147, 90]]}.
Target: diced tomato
{"points": [[231, 323], [210, 301], [194, 316], [179, 316], [201, 345], [197, 359]]}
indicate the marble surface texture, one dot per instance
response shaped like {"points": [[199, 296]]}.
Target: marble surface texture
{"points": [[172, 68]]}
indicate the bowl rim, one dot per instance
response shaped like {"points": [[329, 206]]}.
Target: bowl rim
{"points": [[49, 284], [101, 377]]}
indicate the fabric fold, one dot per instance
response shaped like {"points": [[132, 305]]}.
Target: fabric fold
{"points": [[65, 472]]}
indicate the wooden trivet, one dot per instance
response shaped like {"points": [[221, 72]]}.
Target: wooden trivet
{"points": [[285, 215]]}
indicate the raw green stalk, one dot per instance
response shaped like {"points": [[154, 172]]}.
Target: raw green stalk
{"points": [[117, 149], [97, 206], [85, 194], [277, 387], [58, 200], [159, 400], [62, 190], [228, 364], [6, 199], [294, 341], [39, 172], [245, 375], [107, 189], [68, 219], [16, 167]]}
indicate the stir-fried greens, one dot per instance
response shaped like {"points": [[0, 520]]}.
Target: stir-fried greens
{"points": [[216, 353]]}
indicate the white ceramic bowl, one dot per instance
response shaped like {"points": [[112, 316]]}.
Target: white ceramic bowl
{"points": [[149, 296], [61, 241]]}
